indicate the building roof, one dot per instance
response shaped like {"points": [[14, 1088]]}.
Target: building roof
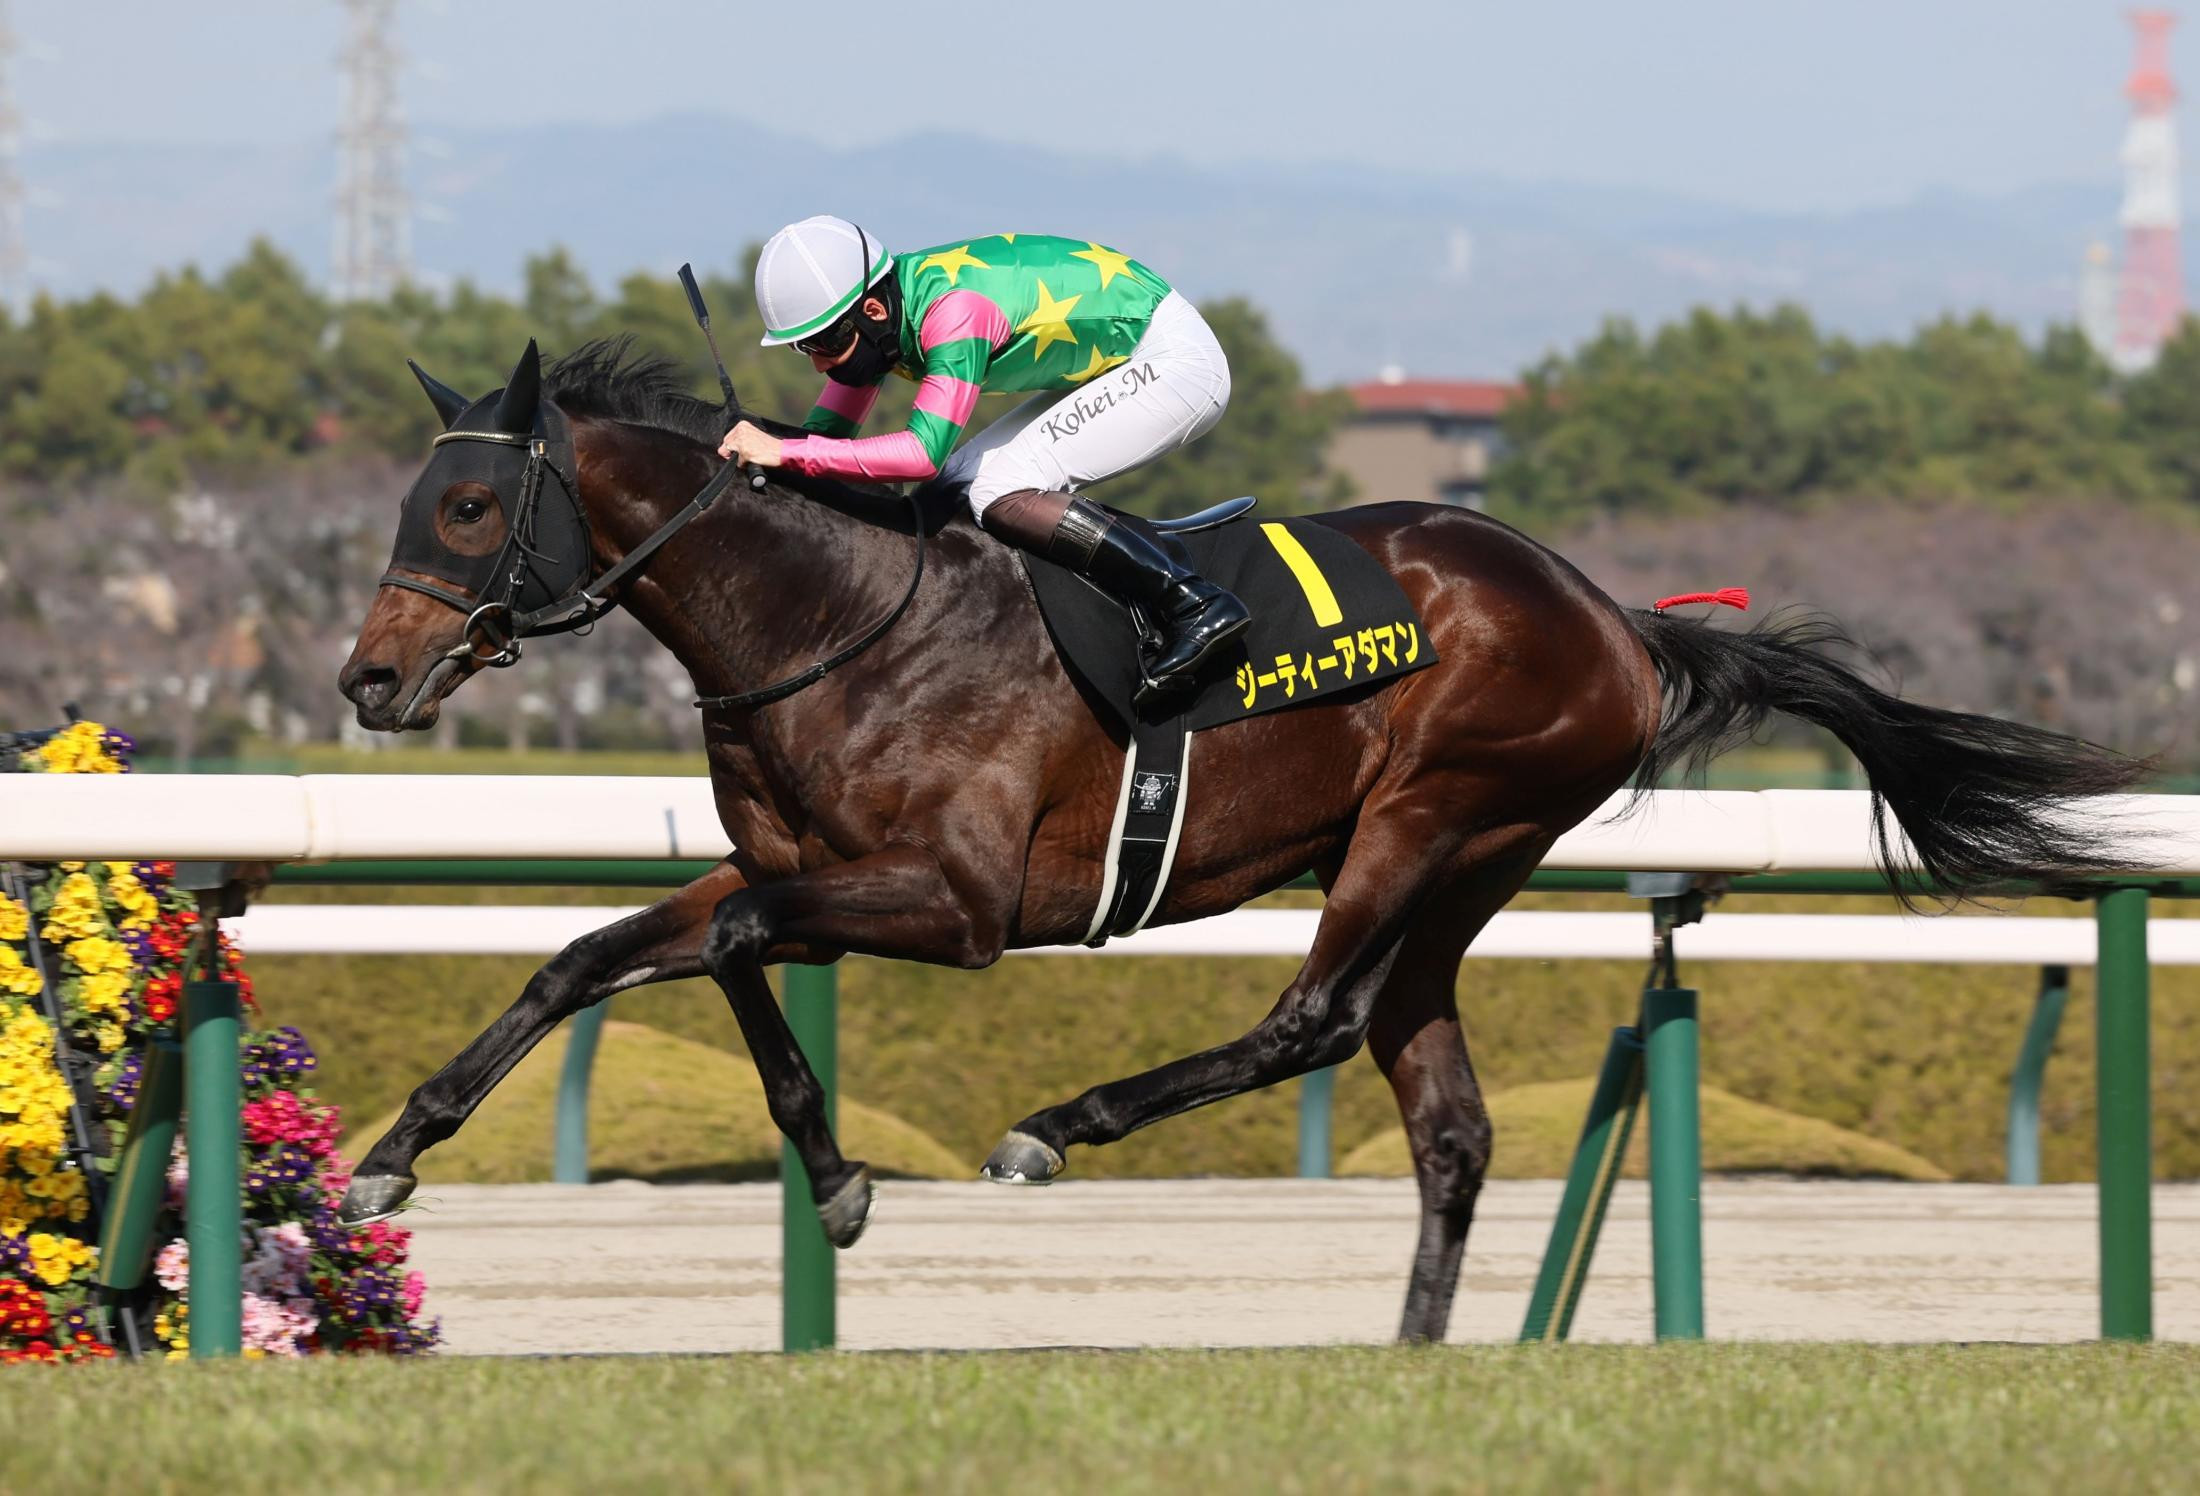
{"points": [[1472, 398]]}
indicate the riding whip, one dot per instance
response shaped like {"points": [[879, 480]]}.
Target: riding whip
{"points": [[757, 479]]}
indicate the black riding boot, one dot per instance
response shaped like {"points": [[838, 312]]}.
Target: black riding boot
{"points": [[1195, 617]]}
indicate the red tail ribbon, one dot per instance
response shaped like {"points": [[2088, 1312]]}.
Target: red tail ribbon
{"points": [[1733, 597]]}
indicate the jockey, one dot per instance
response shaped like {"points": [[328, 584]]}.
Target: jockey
{"points": [[1124, 368]]}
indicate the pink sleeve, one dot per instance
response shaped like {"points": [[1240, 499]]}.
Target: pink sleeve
{"points": [[947, 395], [894, 458], [964, 314], [848, 402]]}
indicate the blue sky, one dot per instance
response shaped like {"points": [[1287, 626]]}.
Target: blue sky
{"points": [[1821, 107]]}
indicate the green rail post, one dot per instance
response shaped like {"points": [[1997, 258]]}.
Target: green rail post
{"points": [[1317, 1099], [1596, 1166], [2025, 1081], [569, 1157], [2123, 1106], [141, 1170], [213, 1214], [1676, 1161], [808, 1318]]}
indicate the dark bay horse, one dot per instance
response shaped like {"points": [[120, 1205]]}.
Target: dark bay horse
{"points": [[945, 796]]}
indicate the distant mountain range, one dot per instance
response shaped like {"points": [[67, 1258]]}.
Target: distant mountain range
{"points": [[1443, 275]]}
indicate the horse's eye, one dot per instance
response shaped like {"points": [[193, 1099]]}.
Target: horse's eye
{"points": [[469, 511]]}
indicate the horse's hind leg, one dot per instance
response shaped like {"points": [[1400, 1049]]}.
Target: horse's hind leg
{"points": [[1416, 1039], [1404, 854]]}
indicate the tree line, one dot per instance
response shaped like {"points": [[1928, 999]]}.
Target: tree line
{"points": [[232, 374], [1750, 407]]}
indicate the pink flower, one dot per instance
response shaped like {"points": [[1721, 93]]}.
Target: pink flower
{"points": [[416, 1289], [173, 1266], [278, 1328], [388, 1243], [286, 1117]]}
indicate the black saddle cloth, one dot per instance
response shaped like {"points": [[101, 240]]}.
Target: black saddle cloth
{"points": [[1327, 620]]}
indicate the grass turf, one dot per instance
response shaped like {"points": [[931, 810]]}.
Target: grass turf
{"points": [[1576, 1418], [1541, 1124]]}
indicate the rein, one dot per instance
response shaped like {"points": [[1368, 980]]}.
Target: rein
{"points": [[504, 627], [779, 691]]}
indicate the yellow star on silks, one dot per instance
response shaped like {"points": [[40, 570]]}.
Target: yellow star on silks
{"points": [[953, 261], [1096, 368], [1049, 322], [1111, 264], [1006, 238]]}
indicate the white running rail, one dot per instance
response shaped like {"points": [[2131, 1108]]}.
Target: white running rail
{"points": [[1534, 935], [321, 817]]}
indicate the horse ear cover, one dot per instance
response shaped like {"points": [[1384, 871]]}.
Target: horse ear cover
{"points": [[515, 413], [448, 403]]}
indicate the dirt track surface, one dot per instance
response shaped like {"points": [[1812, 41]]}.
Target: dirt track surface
{"points": [[634, 1267]]}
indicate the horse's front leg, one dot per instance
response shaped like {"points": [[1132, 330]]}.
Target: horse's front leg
{"points": [[900, 903], [659, 944]]}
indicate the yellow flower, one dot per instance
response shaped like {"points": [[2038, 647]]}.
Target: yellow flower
{"points": [[138, 905], [80, 748], [15, 977], [77, 911], [15, 920], [55, 1259], [109, 1037], [94, 954]]}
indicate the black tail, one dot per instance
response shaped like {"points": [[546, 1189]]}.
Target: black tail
{"points": [[1978, 797]]}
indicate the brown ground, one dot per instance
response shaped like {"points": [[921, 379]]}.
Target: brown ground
{"points": [[635, 1267]]}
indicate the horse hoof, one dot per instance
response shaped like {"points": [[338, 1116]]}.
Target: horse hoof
{"points": [[374, 1197], [1021, 1158], [849, 1211]]}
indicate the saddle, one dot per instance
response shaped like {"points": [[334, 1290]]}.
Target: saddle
{"points": [[1212, 517], [1329, 624]]}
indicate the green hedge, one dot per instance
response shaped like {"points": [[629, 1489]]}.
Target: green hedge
{"points": [[1915, 1056]]}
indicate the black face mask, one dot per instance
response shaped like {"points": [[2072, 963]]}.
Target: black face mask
{"points": [[554, 557], [878, 344]]}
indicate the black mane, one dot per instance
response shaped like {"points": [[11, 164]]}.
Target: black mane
{"points": [[607, 378]]}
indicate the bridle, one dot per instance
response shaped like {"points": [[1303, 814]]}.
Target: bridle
{"points": [[498, 617], [582, 599]]}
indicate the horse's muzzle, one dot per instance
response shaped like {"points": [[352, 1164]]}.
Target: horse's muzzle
{"points": [[383, 705]]}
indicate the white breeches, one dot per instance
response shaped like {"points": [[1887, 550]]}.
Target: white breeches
{"points": [[1172, 389]]}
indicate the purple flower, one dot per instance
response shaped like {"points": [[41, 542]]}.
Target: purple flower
{"points": [[123, 1089]]}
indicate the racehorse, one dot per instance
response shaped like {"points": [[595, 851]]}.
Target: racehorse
{"points": [[945, 795]]}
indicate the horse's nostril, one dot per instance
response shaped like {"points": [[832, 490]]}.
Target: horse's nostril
{"points": [[373, 687]]}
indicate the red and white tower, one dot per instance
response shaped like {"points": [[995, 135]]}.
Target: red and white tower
{"points": [[2150, 293]]}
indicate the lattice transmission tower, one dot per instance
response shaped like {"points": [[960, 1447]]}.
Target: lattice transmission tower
{"points": [[15, 256], [2150, 292], [373, 252]]}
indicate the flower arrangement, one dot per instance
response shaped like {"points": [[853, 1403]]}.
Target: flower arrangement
{"points": [[116, 937]]}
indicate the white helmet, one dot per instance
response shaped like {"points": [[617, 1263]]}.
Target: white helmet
{"points": [[811, 272]]}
